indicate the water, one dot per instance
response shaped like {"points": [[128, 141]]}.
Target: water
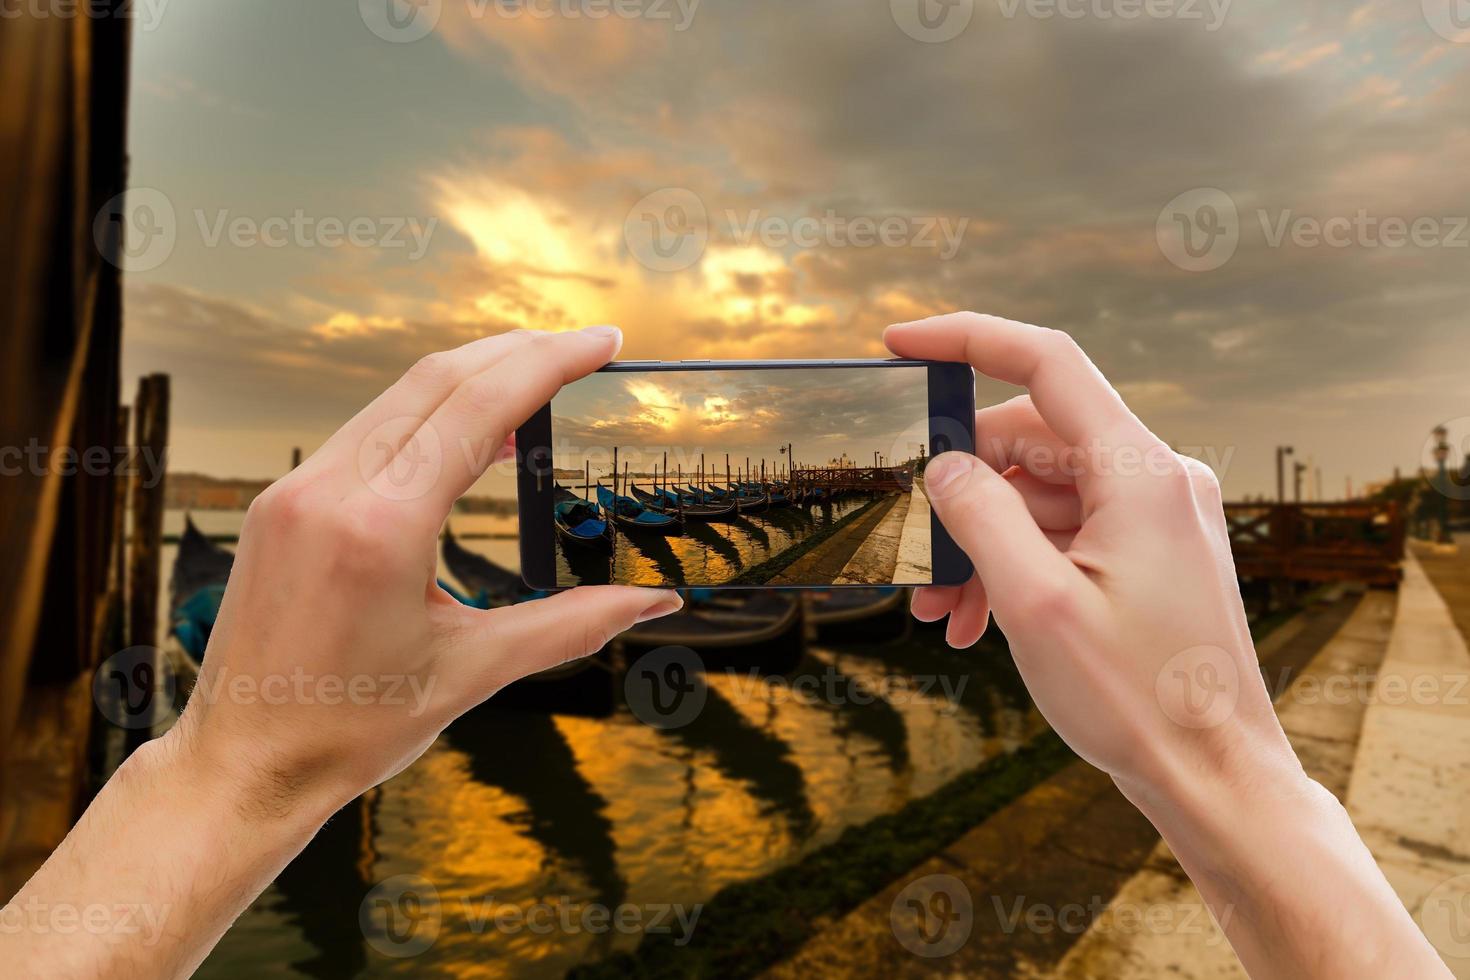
{"points": [[708, 553], [521, 809]]}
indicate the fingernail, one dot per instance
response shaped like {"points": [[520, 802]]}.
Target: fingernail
{"points": [[666, 604], [604, 330], [942, 476]]}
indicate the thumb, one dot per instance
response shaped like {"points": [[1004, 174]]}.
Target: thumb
{"points": [[499, 646], [989, 520]]}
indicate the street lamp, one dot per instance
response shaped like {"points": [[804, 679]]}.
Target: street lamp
{"points": [[1281, 453], [1441, 457]]}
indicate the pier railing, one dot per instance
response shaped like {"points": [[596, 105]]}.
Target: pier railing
{"points": [[1338, 542], [878, 479]]}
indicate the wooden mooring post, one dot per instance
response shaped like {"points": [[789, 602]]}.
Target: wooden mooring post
{"points": [[150, 438]]}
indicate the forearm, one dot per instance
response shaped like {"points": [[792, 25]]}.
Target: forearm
{"points": [[169, 854], [1291, 883]]}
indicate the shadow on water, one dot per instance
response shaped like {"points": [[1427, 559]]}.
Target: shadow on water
{"points": [[716, 542], [993, 690], [742, 752], [526, 755], [873, 718], [656, 548], [757, 533], [588, 567], [313, 895]]}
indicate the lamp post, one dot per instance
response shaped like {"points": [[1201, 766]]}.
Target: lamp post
{"points": [[1281, 453], [1441, 457]]}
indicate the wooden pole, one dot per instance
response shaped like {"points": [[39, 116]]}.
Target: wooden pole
{"points": [[150, 434]]}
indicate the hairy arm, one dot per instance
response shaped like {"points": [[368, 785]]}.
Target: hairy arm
{"points": [[1106, 561], [335, 661]]}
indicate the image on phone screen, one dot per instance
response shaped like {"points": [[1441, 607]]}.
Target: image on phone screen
{"points": [[743, 477]]}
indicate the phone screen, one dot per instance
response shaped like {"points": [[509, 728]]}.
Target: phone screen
{"points": [[765, 477]]}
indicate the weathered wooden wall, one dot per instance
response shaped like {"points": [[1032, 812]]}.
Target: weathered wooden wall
{"points": [[63, 99]]}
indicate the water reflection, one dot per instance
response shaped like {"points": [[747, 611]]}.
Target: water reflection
{"points": [[520, 808], [707, 553]]}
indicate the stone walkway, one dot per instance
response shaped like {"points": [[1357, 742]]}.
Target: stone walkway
{"points": [[877, 559], [1039, 877], [1393, 743]]}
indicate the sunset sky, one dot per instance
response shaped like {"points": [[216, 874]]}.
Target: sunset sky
{"points": [[533, 152], [823, 414]]}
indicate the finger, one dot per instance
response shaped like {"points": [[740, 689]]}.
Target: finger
{"points": [[484, 411], [493, 648], [987, 518], [1071, 394], [1052, 507], [1013, 433], [421, 389], [931, 603], [971, 616]]}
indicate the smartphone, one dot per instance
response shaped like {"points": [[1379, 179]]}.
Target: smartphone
{"points": [[743, 474]]}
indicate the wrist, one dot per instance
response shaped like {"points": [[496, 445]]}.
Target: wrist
{"points": [[235, 787]]}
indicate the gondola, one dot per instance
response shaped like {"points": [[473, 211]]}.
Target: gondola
{"points": [[738, 630], [583, 687], [633, 517], [865, 615], [686, 505], [749, 502], [580, 523]]}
